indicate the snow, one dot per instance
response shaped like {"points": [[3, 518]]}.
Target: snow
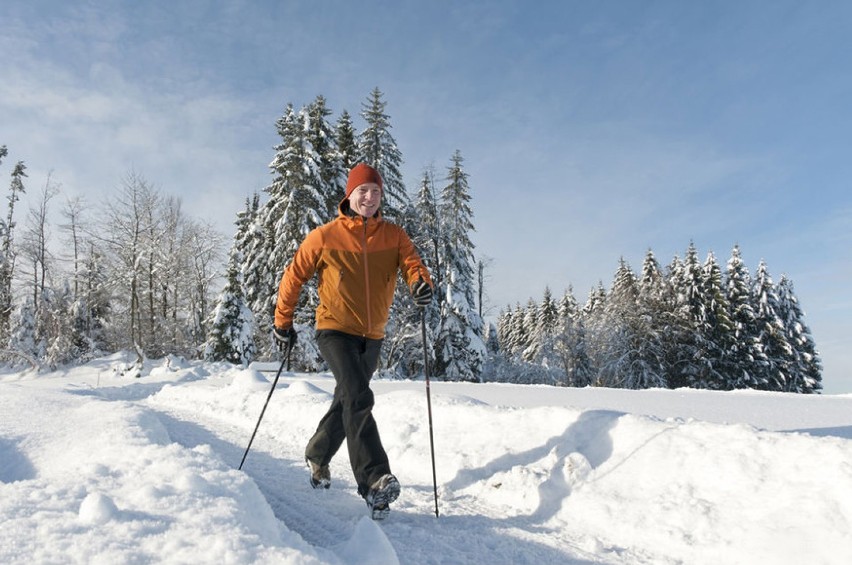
{"points": [[100, 467]]}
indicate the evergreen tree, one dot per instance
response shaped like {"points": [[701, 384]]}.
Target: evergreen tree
{"points": [[570, 344], [805, 367], [519, 334], [23, 340], [544, 335], [7, 253], [532, 326], [403, 342], [461, 351], [58, 327], [629, 358], [686, 281], [332, 170], [377, 148], [772, 333], [250, 240], [347, 141], [91, 309], [718, 336], [232, 323], [746, 359]]}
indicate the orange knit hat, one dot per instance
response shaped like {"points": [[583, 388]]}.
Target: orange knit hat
{"points": [[362, 174]]}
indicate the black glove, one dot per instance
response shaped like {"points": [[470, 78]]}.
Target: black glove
{"points": [[285, 338], [422, 293]]}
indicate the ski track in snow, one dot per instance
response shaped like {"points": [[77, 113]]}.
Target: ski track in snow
{"points": [[325, 518]]}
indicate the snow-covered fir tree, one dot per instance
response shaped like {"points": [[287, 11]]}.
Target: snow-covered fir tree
{"points": [[532, 331], [23, 340], [347, 141], [460, 350], [7, 251], [771, 331], [250, 239], [570, 343], [628, 356], [805, 367], [231, 336], [717, 330], [746, 359], [685, 356], [332, 169], [403, 348]]}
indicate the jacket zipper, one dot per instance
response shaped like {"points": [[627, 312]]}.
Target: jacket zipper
{"points": [[366, 277]]}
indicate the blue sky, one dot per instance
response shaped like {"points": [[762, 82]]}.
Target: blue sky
{"points": [[590, 130]]}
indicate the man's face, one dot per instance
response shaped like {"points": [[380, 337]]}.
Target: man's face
{"points": [[365, 199]]}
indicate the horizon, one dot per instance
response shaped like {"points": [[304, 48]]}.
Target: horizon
{"points": [[606, 129]]}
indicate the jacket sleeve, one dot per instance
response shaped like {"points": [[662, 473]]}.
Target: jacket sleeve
{"points": [[296, 274], [409, 261]]}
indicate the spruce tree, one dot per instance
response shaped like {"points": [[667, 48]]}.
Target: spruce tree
{"points": [[570, 343], [717, 332], [630, 352], [403, 347], [746, 359], [519, 334], [331, 169], [91, 310], [7, 252], [805, 365], [772, 333], [231, 336], [347, 141], [532, 327], [686, 282], [23, 340], [460, 349]]}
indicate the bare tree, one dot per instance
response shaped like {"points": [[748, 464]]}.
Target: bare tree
{"points": [[36, 239], [73, 213], [126, 226]]}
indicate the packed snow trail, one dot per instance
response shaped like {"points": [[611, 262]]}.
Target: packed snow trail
{"points": [[465, 533]]}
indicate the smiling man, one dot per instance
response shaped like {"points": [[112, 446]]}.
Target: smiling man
{"points": [[357, 257]]}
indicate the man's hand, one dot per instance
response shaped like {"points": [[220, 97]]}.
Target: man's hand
{"points": [[284, 338], [422, 293]]}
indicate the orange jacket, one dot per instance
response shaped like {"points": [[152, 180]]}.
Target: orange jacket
{"points": [[357, 260]]}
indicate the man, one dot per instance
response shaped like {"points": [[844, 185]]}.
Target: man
{"points": [[357, 257]]}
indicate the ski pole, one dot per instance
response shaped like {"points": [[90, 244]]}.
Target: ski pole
{"points": [[271, 390], [429, 406]]}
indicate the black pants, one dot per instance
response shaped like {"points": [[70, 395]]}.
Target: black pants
{"points": [[352, 360]]}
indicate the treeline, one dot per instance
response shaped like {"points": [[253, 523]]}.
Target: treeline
{"points": [[136, 273], [690, 325]]}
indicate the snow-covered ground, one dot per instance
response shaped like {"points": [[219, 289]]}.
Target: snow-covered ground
{"points": [[96, 467]]}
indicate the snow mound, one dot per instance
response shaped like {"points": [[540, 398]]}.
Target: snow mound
{"points": [[249, 379], [368, 545], [304, 388], [97, 509]]}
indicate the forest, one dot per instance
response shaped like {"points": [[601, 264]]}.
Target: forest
{"points": [[137, 273]]}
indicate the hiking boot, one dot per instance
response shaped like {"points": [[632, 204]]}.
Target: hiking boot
{"points": [[320, 475], [381, 494]]}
